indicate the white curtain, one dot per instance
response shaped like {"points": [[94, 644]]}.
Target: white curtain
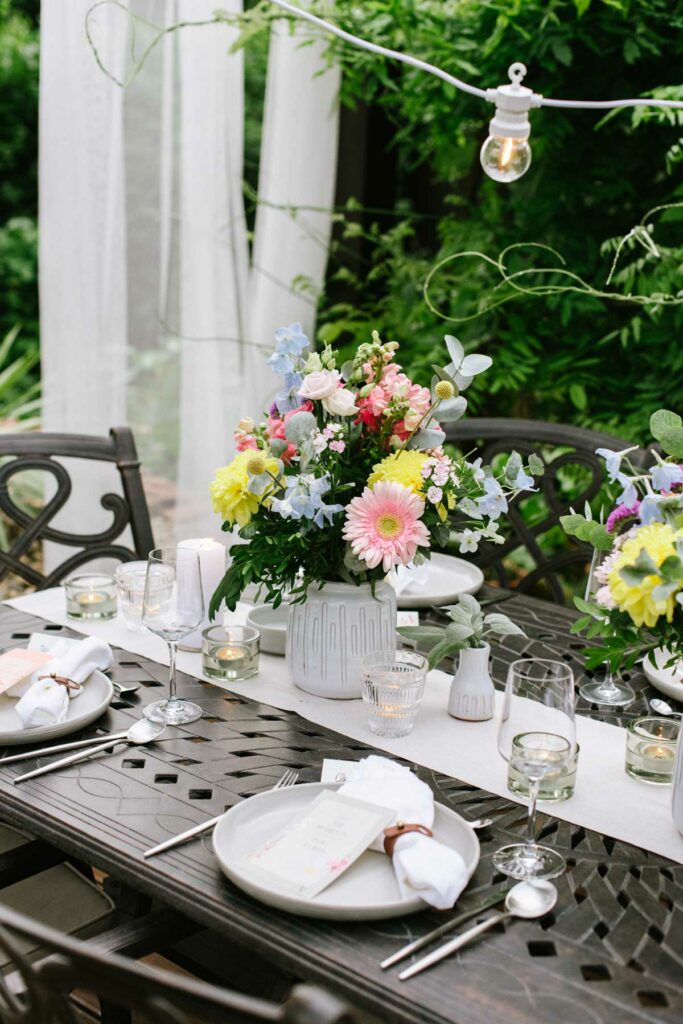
{"points": [[153, 310]]}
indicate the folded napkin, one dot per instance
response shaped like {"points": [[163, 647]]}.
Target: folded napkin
{"points": [[423, 866], [45, 701], [409, 577]]}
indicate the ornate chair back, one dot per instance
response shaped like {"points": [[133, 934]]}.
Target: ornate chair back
{"points": [[38, 993], [41, 452], [573, 475]]}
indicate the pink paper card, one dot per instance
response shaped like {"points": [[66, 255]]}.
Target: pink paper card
{"points": [[18, 664]]}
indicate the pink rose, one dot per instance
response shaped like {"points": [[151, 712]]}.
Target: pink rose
{"points": [[319, 384]]}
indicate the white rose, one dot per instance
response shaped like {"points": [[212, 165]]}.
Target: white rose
{"points": [[340, 403]]}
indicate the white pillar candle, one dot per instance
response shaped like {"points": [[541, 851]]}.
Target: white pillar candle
{"points": [[212, 557]]}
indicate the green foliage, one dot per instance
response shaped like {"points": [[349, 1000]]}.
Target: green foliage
{"points": [[469, 627], [19, 57], [591, 180]]}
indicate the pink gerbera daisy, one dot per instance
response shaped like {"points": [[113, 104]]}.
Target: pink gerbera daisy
{"points": [[384, 525]]}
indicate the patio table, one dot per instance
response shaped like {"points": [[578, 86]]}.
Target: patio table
{"points": [[611, 950]]}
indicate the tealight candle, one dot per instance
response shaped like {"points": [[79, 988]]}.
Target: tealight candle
{"points": [[90, 596], [651, 748], [230, 652]]}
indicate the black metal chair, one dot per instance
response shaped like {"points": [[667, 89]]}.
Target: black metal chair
{"points": [[38, 993], [21, 452], [573, 475]]}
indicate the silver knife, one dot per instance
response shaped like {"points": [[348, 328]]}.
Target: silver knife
{"points": [[59, 748], [443, 929]]}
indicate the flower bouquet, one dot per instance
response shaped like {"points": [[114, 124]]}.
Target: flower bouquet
{"points": [[347, 479], [638, 603]]}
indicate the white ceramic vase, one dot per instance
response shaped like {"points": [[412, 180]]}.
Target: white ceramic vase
{"points": [[472, 695], [677, 792], [332, 630]]}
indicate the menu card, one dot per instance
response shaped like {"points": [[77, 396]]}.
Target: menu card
{"points": [[318, 845]]}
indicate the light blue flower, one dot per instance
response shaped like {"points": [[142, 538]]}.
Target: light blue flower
{"points": [[666, 475], [287, 397], [612, 461], [304, 500], [290, 342], [629, 495], [493, 502], [649, 511], [523, 482]]}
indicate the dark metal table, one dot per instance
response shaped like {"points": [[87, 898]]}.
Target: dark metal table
{"points": [[611, 951]]}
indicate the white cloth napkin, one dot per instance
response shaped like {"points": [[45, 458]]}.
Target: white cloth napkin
{"points": [[423, 866], [411, 577], [45, 701]]}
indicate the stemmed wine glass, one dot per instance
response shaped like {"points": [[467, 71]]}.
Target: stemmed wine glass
{"points": [[537, 736], [173, 607], [606, 690]]}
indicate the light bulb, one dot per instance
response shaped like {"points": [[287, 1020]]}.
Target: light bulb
{"points": [[505, 158]]}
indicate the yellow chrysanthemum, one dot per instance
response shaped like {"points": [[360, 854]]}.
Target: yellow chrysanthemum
{"points": [[658, 541], [404, 467], [230, 494]]}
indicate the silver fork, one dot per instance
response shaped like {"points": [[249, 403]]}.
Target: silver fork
{"points": [[288, 779]]}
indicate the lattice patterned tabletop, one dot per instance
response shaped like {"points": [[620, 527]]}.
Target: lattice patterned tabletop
{"points": [[611, 951]]}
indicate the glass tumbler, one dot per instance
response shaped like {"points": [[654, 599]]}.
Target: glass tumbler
{"points": [[393, 686], [130, 583]]}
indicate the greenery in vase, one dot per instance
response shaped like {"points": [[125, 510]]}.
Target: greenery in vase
{"points": [[346, 479], [469, 627], [638, 606]]}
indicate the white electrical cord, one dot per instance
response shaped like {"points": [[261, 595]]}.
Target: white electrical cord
{"points": [[539, 101]]}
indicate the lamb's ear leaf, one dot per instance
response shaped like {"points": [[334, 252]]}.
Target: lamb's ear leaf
{"points": [[441, 651]]}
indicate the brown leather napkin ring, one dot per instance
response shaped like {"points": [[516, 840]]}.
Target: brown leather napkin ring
{"points": [[401, 829], [68, 683]]}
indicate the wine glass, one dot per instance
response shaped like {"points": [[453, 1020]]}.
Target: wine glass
{"points": [[605, 690], [537, 736], [173, 607]]}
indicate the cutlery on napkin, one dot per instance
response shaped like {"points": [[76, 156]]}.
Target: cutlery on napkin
{"points": [[44, 700], [423, 866]]}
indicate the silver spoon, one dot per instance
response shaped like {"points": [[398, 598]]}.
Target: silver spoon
{"points": [[125, 687], [141, 732], [526, 899], [662, 708]]}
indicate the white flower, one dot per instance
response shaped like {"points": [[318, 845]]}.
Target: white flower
{"points": [[319, 443], [469, 540], [440, 475], [340, 403], [319, 384], [434, 494], [604, 598]]}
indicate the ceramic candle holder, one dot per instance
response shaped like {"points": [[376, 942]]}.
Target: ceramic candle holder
{"points": [[90, 596], [651, 748], [230, 652]]}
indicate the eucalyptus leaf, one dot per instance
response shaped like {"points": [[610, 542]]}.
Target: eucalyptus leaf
{"points": [[427, 437], [536, 465], [474, 364], [671, 441], [450, 410], [455, 350], [664, 420]]}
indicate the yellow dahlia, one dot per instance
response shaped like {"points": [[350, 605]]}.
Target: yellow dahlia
{"points": [[404, 467], [230, 494], [658, 541]]}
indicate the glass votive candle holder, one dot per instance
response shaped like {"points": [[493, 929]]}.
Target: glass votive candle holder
{"points": [[130, 584], [90, 595], [651, 748], [230, 652], [553, 788], [393, 686]]}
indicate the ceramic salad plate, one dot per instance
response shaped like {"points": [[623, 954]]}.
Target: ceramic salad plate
{"points": [[440, 581], [84, 709], [668, 681]]}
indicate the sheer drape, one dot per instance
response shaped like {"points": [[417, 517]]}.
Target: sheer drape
{"points": [[154, 311]]}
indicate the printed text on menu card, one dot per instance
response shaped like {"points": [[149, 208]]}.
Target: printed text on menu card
{"points": [[319, 844]]}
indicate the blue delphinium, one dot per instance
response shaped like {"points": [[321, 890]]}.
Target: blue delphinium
{"points": [[288, 397], [304, 500], [493, 502], [290, 343], [666, 475]]}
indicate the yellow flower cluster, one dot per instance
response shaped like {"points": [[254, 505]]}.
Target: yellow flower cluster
{"points": [[230, 494], [658, 541], [404, 467]]}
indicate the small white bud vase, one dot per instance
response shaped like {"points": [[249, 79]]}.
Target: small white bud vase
{"points": [[677, 795], [334, 628], [473, 696]]}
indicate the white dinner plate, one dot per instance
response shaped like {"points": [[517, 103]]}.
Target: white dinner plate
{"points": [[84, 709], [448, 577], [668, 681], [272, 626], [367, 891]]}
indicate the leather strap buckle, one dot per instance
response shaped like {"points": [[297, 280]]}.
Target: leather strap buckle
{"points": [[401, 829]]}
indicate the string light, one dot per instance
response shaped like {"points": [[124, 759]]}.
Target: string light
{"points": [[506, 153]]}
